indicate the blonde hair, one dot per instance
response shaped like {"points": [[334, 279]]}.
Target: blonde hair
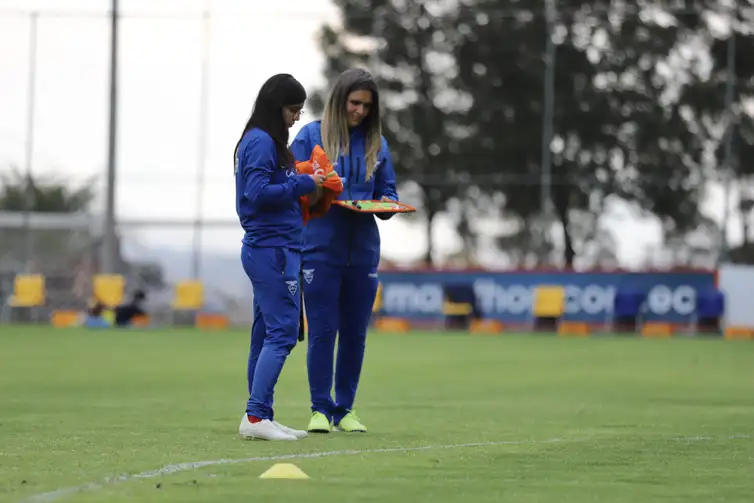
{"points": [[335, 135]]}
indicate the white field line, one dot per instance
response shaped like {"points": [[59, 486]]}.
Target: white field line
{"points": [[57, 494]]}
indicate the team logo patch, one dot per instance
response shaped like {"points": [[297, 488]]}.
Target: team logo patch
{"points": [[308, 275], [292, 286]]}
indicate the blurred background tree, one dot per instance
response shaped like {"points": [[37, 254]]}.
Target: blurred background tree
{"points": [[45, 194], [465, 112]]}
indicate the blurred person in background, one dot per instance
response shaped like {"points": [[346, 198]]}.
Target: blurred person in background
{"points": [[342, 249], [268, 188], [95, 316], [125, 314]]}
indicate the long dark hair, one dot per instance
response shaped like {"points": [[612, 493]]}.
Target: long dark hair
{"points": [[335, 134], [279, 91]]}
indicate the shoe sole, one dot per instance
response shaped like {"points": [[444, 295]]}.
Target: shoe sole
{"points": [[249, 437], [338, 428], [318, 431]]}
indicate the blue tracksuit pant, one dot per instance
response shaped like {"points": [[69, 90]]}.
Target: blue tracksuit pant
{"points": [[337, 300], [274, 275]]}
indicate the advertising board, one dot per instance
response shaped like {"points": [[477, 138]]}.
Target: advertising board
{"points": [[507, 296]]}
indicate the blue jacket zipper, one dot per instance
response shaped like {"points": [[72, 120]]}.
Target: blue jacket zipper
{"points": [[350, 216]]}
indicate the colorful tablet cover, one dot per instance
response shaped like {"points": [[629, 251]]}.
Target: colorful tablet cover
{"points": [[366, 206]]}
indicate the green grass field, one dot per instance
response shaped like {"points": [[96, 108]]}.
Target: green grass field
{"points": [[95, 416]]}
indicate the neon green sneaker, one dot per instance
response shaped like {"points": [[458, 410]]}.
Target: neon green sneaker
{"points": [[351, 423], [319, 423]]}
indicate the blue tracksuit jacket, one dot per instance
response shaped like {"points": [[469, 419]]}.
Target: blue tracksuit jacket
{"points": [[267, 194], [343, 237]]}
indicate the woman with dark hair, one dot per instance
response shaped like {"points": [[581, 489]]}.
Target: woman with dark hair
{"points": [[268, 188], [342, 249]]}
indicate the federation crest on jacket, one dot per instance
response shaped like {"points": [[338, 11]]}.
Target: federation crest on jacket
{"points": [[292, 286]]}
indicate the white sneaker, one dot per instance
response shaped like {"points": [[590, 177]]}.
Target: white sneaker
{"points": [[290, 431], [263, 430]]}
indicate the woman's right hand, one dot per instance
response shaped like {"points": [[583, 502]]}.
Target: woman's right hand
{"points": [[318, 179]]}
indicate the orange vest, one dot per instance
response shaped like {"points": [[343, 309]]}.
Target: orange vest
{"points": [[319, 164]]}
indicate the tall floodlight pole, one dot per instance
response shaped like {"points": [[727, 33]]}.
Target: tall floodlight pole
{"points": [[548, 112], [729, 170], [109, 244], [30, 112], [201, 153]]}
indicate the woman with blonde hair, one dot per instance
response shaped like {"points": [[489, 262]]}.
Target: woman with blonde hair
{"points": [[341, 250]]}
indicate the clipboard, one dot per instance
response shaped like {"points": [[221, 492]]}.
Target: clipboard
{"points": [[368, 206]]}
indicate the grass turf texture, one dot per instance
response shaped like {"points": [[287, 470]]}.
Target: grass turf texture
{"points": [[637, 420]]}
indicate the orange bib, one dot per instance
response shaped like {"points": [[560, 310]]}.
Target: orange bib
{"points": [[319, 164]]}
